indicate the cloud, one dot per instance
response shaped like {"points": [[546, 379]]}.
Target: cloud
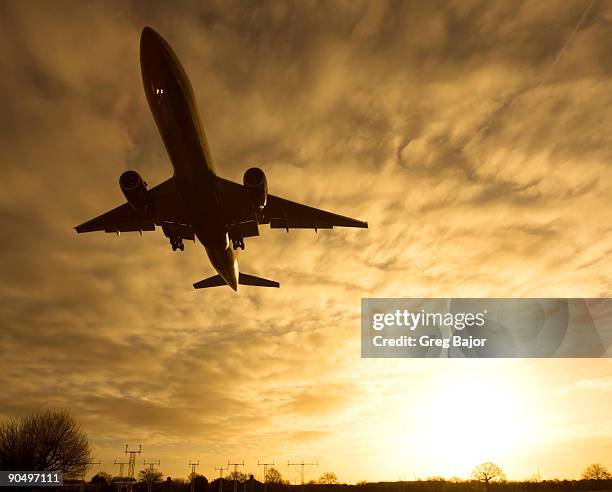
{"points": [[321, 400], [603, 384], [429, 120]]}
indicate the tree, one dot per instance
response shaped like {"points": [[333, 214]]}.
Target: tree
{"points": [[488, 472], [328, 478], [273, 476], [237, 475], [150, 475], [45, 440], [200, 482], [101, 477], [596, 471], [104, 480]]}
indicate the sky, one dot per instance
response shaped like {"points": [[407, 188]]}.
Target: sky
{"points": [[474, 137]]}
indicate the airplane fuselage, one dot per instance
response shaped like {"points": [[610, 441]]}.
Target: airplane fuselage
{"points": [[171, 100]]}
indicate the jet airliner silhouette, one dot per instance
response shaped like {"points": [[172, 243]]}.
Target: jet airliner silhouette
{"points": [[195, 202]]}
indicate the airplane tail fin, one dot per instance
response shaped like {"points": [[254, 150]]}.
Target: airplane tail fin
{"points": [[243, 279]]}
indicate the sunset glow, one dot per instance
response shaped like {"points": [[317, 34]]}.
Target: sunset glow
{"points": [[474, 137]]}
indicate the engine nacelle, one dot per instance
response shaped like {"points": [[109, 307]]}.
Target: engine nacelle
{"points": [[256, 186], [134, 189]]}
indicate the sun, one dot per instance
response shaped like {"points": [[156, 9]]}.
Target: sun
{"points": [[463, 418]]}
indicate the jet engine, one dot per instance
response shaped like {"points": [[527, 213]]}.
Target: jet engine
{"points": [[256, 186], [134, 189]]}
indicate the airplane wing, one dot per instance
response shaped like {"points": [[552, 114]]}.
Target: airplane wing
{"points": [[285, 214], [280, 213], [165, 207]]}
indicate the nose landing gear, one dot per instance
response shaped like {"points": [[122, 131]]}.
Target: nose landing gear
{"points": [[236, 234], [177, 243]]}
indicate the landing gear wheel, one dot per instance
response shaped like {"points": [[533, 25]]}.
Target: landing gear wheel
{"points": [[177, 243], [238, 243]]}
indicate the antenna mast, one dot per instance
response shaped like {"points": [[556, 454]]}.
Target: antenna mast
{"points": [[265, 480], [220, 470], [122, 481], [131, 465], [235, 465], [150, 477], [132, 461], [302, 468], [193, 473]]}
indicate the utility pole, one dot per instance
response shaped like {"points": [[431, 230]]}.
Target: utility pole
{"points": [[150, 477], [235, 465], [302, 468], [121, 482], [220, 470], [193, 473], [265, 480]]}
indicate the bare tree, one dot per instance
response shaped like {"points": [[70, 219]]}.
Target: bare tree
{"points": [[488, 472], [273, 476], [328, 478], [596, 471], [45, 440]]}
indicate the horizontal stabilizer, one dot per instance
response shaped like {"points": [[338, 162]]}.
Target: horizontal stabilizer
{"points": [[214, 281], [244, 279]]}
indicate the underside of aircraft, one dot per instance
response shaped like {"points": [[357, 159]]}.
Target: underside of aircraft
{"points": [[196, 203]]}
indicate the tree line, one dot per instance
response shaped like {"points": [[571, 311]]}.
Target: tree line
{"points": [[53, 440]]}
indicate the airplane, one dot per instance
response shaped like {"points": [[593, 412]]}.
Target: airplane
{"points": [[195, 202]]}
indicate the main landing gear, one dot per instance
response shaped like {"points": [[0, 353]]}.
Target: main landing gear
{"points": [[177, 243]]}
